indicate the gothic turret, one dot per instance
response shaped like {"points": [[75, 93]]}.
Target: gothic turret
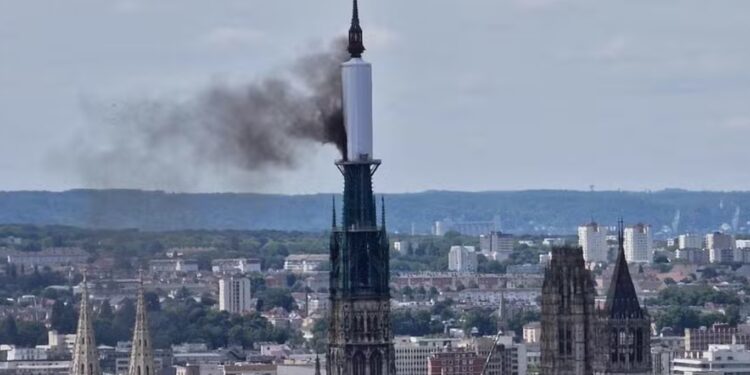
{"points": [[141, 355], [85, 356]]}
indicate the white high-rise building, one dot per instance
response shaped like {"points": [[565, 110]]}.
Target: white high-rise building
{"points": [[689, 241], [592, 237], [720, 247], [234, 295], [462, 259], [638, 243]]}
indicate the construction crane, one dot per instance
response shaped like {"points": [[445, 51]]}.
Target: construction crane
{"points": [[492, 351]]}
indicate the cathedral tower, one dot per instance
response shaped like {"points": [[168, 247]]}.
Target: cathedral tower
{"points": [[141, 354], [568, 316], [85, 356], [623, 329], [360, 340]]}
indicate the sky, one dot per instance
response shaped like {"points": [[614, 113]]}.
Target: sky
{"points": [[468, 95]]}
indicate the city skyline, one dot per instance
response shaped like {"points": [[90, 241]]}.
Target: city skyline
{"points": [[536, 90]]}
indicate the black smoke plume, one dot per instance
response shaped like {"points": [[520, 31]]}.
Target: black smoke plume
{"points": [[249, 128]]}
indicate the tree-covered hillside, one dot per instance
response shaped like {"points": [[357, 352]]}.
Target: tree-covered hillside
{"points": [[538, 211]]}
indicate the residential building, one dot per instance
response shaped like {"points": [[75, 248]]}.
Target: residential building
{"points": [[692, 255], [508, 358], [412, 352], [238, 265], [638, 243], [55, 257], [454, 362], [462, 259], [35, 368], [698, 339], [496, 245], [250, 369], [305, 263], [718, 359], [592, 238], [235, 294], [689, 241], [172, 265], [532, 332], [742, 244], [720, 247]]}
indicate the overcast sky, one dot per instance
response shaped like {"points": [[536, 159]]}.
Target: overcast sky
{"points": [[468, 94]]}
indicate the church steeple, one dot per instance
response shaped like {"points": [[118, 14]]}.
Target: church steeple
{"points": [[622, 299], [356, 44], [85, 356], [141, 355]]}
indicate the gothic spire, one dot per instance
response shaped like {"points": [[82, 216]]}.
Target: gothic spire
{"points": [[356, 44], [85, 356], [141, 355], [622, 299]]}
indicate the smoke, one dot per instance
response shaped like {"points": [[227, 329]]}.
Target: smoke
{"points": [[245, 131]]}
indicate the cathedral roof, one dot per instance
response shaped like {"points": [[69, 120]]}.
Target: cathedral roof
{"points": [[622, 300]]}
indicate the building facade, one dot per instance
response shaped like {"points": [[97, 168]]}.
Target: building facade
{"points": [[638, 243], [719, 359], [592, 238], [235, 295], [462, 259], [455, 362], [689, 241], [412, 352]]}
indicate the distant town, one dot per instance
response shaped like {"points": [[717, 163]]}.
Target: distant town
{"points": [[215, 299]]}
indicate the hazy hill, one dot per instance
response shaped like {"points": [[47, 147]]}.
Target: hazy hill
{"points": [[540, 211]]}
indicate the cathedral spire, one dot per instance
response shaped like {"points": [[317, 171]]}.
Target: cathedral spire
{"points": [[622, 299], [356, 44], [141, 355], [85, 356]]}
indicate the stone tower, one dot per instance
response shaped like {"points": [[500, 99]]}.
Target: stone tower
{"points": [[360, 341], [623, 330], [568, 315], [85, 356], [141, 355]]}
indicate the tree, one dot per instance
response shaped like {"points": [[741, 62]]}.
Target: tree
{"points": [[407, 292], [276, 297], [151, 299], [481, 319], [9, 330], [63, 318]]}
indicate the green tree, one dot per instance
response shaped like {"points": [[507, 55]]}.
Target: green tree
{"points": [[63, 317]]}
